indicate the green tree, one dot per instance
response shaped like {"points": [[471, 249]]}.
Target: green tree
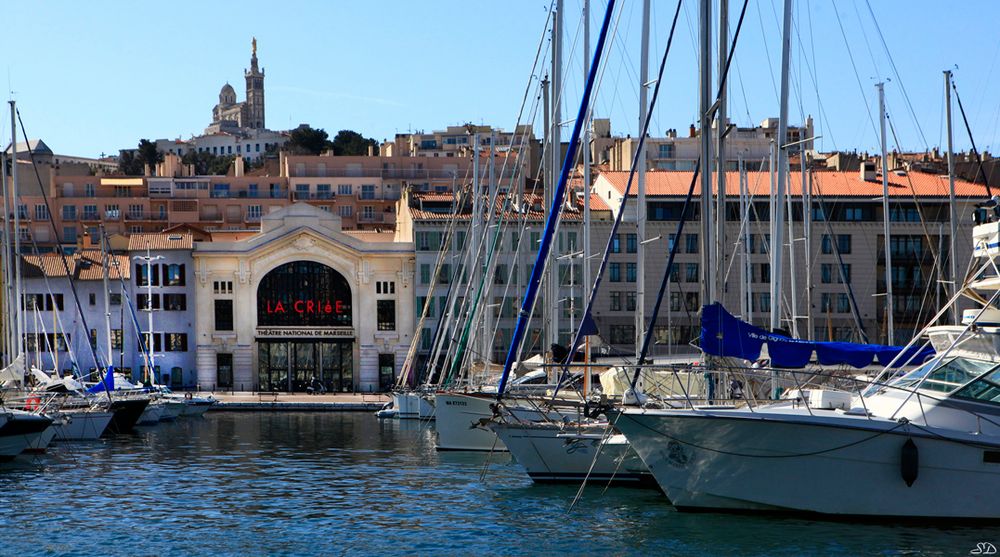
{"points": [[349, 142], [206, 163], [147, 153], [305, 140], [128, 163]]}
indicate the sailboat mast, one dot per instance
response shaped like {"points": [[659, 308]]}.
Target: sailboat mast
{"points": [[952, 255], [150, 345], [720, 151], [18, 296], [890, 326], [745, 277], [106, 263], [552, 300], [640, 206], [792, 280], [778, 216], [8, 303], [807, 233], [586, 187], [705, 104]]}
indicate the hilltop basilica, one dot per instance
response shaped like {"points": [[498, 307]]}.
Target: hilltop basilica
{"points": [[231, 116]]}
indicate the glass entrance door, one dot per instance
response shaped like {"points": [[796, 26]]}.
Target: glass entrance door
{"points": [[285, 365]]}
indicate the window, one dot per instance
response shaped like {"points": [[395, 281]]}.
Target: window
{"points": [[853, 214], [826, 302], [222, 287], [90, 212], [386, 315], [344, 189], [630, 301], [323, 191], [176, 342], [116, 339], [41, 212], [444, 276], [616, 244], [675, 301], [346, 211], [142, 301], [425, 273], [691, 241], [142, 274], [135, 211], [843, 303], [223, 315], [174, 302], [93, 299], [691, 272], [765, 272], [500, 276], [385, 287], [368, 212], [42, 302], [615, 272], [111, 212], [157, 342], [367, 191], [69, 234], [116, 299], [622, 334], [985, 389], [69, 212], [616, 301], [173, 274], [253, 212], [422, 305], [843, 243], [630, 272], [631, 244]]}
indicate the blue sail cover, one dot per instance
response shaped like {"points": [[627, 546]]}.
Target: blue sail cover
{"points": [[722, 334], [106, 384]]}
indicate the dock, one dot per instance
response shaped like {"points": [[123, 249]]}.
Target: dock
{"points": [[299, 402]]}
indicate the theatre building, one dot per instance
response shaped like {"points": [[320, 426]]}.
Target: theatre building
{"points": [[303, 299]]}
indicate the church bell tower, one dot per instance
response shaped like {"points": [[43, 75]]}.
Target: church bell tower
{"points": [[255, 92]]}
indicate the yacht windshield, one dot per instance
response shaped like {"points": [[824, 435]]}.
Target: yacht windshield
{"points": [[946, 377], [984, 389]]}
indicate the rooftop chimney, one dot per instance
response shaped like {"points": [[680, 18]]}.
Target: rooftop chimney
{"points": [[693, 132], [868, 171]]}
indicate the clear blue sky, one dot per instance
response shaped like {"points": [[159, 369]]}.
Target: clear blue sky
{"points": [[93, 77]]}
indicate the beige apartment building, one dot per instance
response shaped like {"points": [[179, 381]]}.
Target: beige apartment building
{"points": [[459, 142], [362, 191]]}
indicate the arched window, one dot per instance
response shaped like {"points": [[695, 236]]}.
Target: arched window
{"points": [[304, 294]]}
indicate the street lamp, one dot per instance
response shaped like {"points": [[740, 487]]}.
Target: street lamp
{"points": [[149, 258]]}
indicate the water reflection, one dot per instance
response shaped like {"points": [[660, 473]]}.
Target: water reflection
{"points": [[345, 483]]}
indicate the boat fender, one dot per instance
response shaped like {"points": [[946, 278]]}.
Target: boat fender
{"points": [[32, 403], [909, 462]]}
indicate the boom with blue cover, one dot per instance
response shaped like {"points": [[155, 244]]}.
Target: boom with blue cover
{"points": [[722, 334]]}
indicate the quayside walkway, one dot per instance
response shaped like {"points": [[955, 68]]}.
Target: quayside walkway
{"points": [[342, 402]]}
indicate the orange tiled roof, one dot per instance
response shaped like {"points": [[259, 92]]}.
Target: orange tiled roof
{"points": [[83, 265], [160, 241], [826, 183]]}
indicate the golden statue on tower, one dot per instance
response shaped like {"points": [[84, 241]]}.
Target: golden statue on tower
{"points": [[253, 43]]}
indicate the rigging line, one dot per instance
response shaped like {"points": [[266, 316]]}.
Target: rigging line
{"points": [[578, 337], [899, 78], [972, 140], [558, 197], [812, 47], [767, 50], [854, 66], [55, 233]]}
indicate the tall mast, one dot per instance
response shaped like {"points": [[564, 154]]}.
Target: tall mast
{"points": [[547, 184], [18, 296], [890, 327], [640, 206], [952, 255], [807, 233], [745, 274], [473, 267], [149, 307], [586, 187], [8, 292], [488, 306], [720, 151], [778, 216], [793, 282], [106, 262], [705, 104], [552, 301]]}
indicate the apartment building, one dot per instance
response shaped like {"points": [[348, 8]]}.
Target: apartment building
{"points": [[460, 142]]}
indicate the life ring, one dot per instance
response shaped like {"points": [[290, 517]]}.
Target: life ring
{"points": [[188, 396], [32, 403]]}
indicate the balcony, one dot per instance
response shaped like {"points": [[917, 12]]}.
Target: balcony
{"points": [[371, 218], [309, 196], [90, 216], [378, 196]]}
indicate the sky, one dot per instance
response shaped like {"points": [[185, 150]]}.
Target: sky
{"points": [[95, 77]]}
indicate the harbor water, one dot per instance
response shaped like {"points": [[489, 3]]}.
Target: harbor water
{"points": [[348, 484]]}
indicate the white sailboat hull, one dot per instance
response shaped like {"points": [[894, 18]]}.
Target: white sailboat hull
{"points": [[412, 406], [82, 425], [171, 410], [550, 454], [829, 464], [151, 415], [459, 426], [38, 442]]}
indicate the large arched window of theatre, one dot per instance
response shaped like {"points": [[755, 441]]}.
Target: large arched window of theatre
{"points": [[304, 294]]}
